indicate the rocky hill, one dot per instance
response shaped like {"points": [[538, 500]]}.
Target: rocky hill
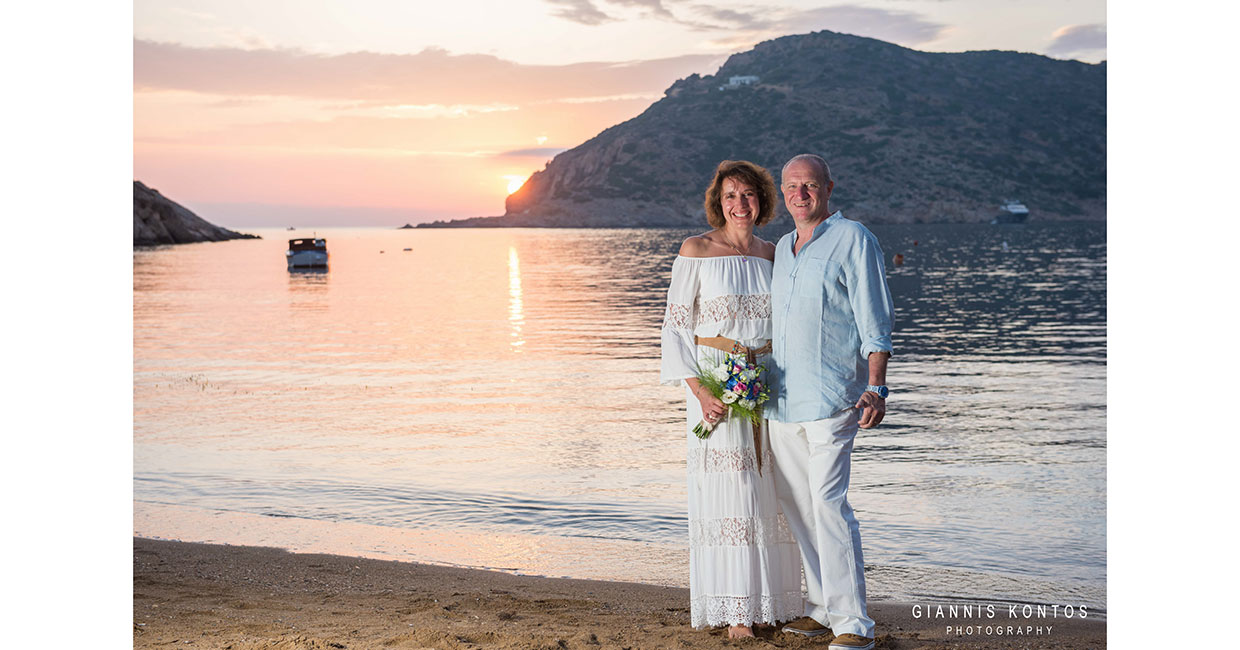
{"points": [[911, 137], [160, 220]]}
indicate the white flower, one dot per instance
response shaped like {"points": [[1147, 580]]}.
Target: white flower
{"points": [[728, 397], [720, 372], [749, 375], [747, 404]]}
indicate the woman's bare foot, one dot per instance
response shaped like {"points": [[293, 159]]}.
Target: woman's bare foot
{"points": [[740, 632]]}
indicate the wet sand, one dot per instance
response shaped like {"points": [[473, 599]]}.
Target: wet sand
{"points": [[247, 598]]}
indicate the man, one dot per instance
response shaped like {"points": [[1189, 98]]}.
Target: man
{"points": [[832, 316]]}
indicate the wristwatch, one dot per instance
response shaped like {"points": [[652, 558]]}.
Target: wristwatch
{"points": [[880, 390]]}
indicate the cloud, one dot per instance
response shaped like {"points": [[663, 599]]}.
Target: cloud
{"points": [[598, 99], [586, 13], [901, 27], [428, 111], [745, 28], [580, 11], [209, 25], [432, 77], [196, 16], [1074, 40], [539, 152], [654, 7], [726, 19]]}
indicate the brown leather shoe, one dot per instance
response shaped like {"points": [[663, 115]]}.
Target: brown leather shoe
{"points": [[806, 626], [851, 642]]}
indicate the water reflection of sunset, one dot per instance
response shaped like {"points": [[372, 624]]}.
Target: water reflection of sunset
{"points": [[516, 313]]}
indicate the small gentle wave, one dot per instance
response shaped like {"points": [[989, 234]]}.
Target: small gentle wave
{"points": [[405, 506]]}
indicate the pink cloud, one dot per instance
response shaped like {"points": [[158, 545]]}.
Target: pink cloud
{"points": [[430, 76], [1076, 40]]}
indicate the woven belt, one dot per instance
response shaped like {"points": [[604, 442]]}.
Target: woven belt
{"points": [[728, 345]]}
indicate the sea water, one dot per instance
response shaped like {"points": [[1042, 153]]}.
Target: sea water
{"points": [[490, 398]]}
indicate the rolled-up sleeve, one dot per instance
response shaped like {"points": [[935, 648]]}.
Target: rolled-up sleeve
{"points": [[678, 347], [871, 301]]}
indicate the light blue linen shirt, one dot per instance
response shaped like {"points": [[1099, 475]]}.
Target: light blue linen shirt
{"points": [[830, 308]]}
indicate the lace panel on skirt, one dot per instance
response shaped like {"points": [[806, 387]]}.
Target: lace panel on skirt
{"points": [[707, 459], [740, 531]]}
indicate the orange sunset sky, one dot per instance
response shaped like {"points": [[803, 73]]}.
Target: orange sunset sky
{"points": [[381, 112]]}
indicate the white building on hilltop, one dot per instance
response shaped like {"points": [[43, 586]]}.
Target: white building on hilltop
{"points": [[738, 81]]}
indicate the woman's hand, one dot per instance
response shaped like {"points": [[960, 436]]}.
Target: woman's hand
{"points": [[713, 409]]}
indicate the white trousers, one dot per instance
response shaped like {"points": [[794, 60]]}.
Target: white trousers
{"points": [[812, 464]]}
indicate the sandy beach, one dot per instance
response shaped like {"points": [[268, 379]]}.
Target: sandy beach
{"points": [[247, 598]]}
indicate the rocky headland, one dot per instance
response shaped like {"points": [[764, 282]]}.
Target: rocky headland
{"points": [[160, 220], [912, 137]]}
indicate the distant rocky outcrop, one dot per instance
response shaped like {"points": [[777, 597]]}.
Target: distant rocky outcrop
{"points": [[911, 137], [483, 222], [160, 220]]}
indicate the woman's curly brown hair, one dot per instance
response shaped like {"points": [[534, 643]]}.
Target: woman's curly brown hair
{"points": [[750, 174]]}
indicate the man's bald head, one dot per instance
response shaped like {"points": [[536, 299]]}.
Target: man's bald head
{"points": [[818, 161]]}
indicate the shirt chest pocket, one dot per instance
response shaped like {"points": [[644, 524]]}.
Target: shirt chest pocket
{"points": [[817, 277]]}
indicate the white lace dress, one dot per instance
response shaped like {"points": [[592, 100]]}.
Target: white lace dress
{"points": [[744, 566]]}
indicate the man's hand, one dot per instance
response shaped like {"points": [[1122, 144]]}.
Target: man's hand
{"points": [[875, 408]]}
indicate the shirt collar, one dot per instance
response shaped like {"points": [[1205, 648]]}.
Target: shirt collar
{"points": [[818, 230], [825, 222]]}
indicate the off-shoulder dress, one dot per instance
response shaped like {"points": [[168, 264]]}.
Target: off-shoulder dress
{"points": [[744, 566]]}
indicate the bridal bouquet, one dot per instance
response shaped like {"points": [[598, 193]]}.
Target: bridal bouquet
{"points": [[737, 383]]}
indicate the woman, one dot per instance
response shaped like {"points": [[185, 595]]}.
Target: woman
{"points": [[744, 567]]}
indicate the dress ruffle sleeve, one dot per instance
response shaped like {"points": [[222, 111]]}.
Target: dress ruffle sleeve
{"points": [[679, 350]]}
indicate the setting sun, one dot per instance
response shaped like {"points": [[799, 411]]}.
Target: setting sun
{"points": [[515, 182]]}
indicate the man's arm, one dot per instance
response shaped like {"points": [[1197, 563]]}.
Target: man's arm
{"points": [[874, 313]]}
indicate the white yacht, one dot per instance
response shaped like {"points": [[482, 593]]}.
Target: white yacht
{"points": [[1012, 211], [307, 253]]}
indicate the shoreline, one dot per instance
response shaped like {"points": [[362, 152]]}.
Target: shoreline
{"points": [[522, 554], [251, 597], [566, 557]]}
